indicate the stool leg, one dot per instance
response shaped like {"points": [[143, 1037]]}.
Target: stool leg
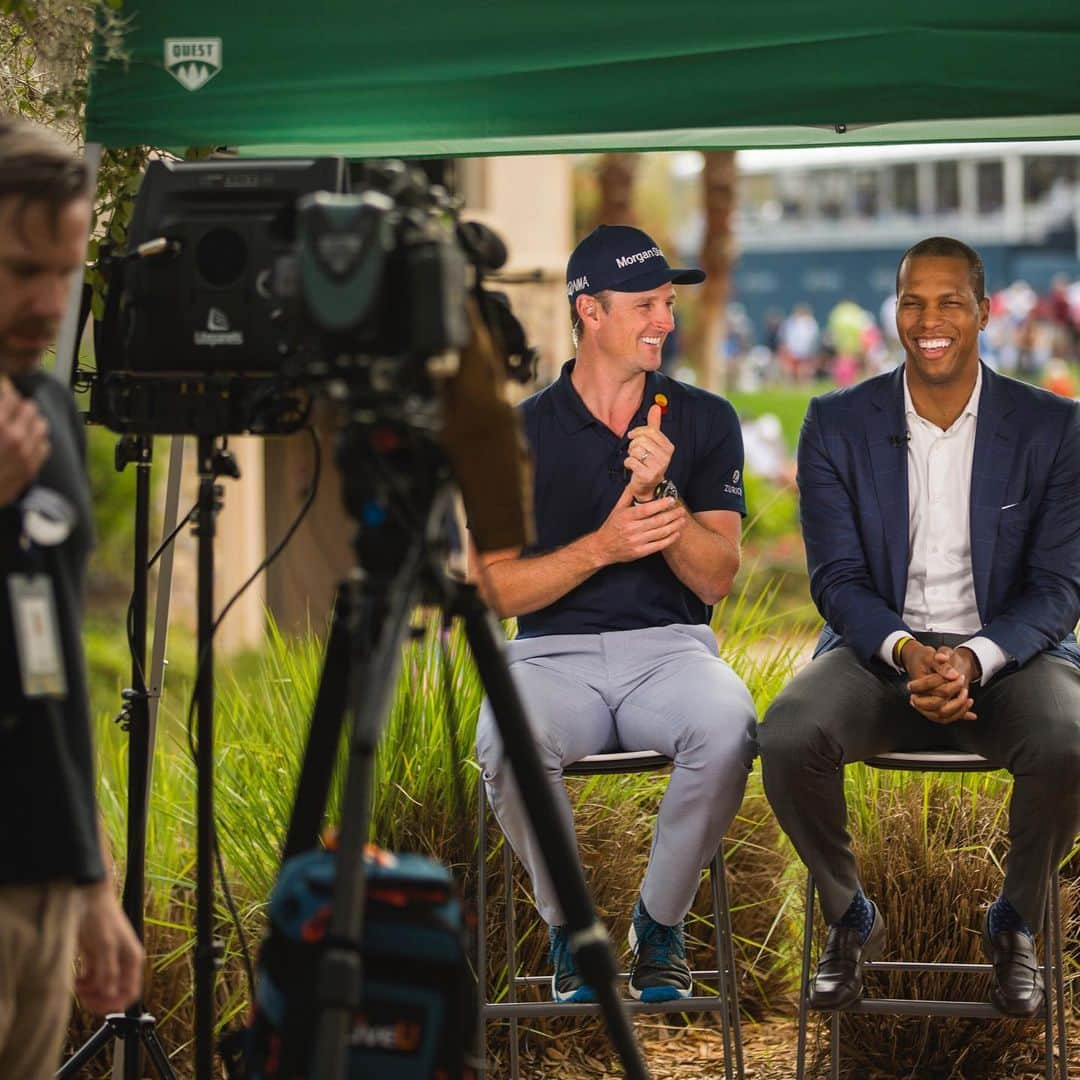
{"points": [[511, 952], [732, 971], [1059, 973], [481, 928], [804, 978], [715, 870], [1048, 997], [834, 1049]]}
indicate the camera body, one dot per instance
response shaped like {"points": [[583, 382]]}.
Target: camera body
{"points": [[246, 286], [371, 279]]}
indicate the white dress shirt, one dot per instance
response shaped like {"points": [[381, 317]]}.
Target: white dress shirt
{"points": [[940, 593]]}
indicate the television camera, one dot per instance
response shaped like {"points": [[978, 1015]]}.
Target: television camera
{"points": [[245, 285]]}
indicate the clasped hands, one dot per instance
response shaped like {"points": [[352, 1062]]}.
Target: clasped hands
{"points": [[940, 681]]}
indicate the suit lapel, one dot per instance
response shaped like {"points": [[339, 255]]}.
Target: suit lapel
{"points": [[995, 447], [888, 461]]}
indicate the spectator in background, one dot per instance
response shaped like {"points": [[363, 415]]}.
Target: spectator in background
{"points": [[800, 343], [847, 327]]}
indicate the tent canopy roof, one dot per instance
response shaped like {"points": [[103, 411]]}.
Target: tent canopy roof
{"points": [[431, 79]]}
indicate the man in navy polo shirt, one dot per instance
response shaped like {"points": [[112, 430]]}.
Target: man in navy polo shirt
{"points": [[638, 501]]}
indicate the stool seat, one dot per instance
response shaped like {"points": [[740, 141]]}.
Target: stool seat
{"points": [[726, 1001], [621, 761], [932, 761], [954, 761]]}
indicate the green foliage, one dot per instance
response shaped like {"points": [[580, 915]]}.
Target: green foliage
{"points": [[772, 509], [112, 495], [46, 53], [934, 843]]}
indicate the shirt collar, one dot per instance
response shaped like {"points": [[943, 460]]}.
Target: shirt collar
{"points": [[574, 414], [970, 409]]}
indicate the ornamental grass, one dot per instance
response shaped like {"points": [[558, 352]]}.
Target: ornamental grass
{"points": [[930, 847]]}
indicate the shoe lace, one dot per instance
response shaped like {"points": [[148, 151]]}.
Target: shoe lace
{"points": [[657, 942], [562, 959]]}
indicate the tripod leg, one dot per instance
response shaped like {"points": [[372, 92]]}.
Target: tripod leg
{"points": [[207, 953], [372, 672], [157, 1054], [87, 1052], [588, 938], [324, 735]]}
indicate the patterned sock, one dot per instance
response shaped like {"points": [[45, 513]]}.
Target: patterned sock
{"points": [[859, 915], [1004, 918]]}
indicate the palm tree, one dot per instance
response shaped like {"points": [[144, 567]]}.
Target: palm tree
{"points": [[716, 259], [615, 177]]}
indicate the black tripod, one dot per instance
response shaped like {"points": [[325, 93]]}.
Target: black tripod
{"points": [[135, 1027], [397, 490]]}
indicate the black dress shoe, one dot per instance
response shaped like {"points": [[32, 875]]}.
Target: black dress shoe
{"points": [[838, 981], [1017, 985]]}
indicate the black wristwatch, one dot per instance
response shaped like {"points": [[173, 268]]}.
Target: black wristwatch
{"points": [[666, 489]]}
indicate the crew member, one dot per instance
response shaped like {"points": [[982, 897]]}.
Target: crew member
{"points": [[58, 906]]}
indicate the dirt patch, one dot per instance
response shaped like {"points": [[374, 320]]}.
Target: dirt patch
{"points": [[696, 1053]]}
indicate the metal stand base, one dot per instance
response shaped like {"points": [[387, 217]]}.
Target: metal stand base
{"points": [[133, 1031]]}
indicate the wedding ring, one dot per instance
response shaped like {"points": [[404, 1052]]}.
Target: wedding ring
{"points": [[644, 456]]}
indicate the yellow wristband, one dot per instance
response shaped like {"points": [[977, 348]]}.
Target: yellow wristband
{"points": [[898, 648]]}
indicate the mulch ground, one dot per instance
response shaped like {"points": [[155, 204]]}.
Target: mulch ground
{"points": [[693, 1053]]}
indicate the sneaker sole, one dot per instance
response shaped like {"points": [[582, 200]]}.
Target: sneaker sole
{"points": [[583, 995], [670, 993]]}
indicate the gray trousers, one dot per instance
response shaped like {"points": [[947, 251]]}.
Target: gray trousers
{"points": [[663, 689], [836, 710]]}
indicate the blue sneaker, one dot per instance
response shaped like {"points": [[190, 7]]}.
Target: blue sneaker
{"points": [[659, 971], [567, 985]]}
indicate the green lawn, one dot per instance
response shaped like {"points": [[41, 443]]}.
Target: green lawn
{"points": [[788, 403]]}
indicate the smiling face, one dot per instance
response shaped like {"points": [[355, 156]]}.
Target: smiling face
{"points": [[631, 329], [938, 318]]}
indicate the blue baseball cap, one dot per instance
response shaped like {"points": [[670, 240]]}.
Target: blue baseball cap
{"points": [[624, 259]]}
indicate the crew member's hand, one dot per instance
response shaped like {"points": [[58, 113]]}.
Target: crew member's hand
{"points": [[24, 441], [649, 455], [939, 683], [632, 532], [109, 956]]}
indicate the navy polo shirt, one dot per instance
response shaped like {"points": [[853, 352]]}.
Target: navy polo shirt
{"points": [[579, 478]]}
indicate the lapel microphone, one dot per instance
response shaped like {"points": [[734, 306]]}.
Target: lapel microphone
{"points": [[900, 440]]}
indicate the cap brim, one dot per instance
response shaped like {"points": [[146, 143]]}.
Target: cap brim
{"points": [[653, 279]]}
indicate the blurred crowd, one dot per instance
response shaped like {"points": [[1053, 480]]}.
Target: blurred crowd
{"points": [[1031, 335]]}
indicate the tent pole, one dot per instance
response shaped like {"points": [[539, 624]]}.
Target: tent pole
{"points": [[67, 340]]}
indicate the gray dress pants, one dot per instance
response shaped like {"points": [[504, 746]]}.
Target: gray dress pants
{"points": [[663, 689], [837, 710]]}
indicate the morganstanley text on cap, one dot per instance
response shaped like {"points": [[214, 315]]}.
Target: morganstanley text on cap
{"points": [[623, 259]]}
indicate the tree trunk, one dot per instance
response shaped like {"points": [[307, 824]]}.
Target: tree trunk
{"points": [[615, 175], [717, 257]]}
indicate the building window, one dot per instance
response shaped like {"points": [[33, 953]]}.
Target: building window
{"points": [[867, 193], [1043, 174], [946, 186], [990, 186], [905, 190]]}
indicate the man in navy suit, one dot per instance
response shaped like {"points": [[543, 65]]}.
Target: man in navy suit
{"points": [[941, 514]]}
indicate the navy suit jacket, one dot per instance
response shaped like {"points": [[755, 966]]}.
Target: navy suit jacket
{"points": [[1025, 515]]}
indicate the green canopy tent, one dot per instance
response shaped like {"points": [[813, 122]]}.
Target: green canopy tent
{"points": [[427, 78], [424, 78]]}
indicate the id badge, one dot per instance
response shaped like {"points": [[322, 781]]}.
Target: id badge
{"points": [[37, 636]]}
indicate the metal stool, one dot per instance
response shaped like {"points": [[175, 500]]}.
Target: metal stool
{"points": [[726, 1001], [1053, 978]]}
